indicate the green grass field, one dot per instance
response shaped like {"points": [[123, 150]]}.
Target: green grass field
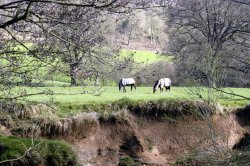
{"points": [[90, 95], [64, 95]]}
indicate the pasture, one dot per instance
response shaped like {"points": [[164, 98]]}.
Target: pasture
{"points": [[145, 57], [70, 99]]}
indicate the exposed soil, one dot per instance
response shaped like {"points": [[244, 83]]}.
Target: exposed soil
{"points": [[157, 141]]}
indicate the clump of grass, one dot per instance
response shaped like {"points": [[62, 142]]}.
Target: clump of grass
{"points": [[58, 153], [14, 109], [149, 109], [149, 144], [128, 161], [235, 157], [192, 158], [165, 108], [44, 151], [124, 103], [102, 108]]}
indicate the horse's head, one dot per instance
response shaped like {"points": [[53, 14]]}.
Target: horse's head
{"points": [[154, 90], [155, 86], [120, 85]]}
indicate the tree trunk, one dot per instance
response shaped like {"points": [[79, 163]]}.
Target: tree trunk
{"points": [[96, 79], [73, 74]]}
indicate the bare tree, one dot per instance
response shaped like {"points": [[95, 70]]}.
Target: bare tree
{"points": [[211, 37], [14, 11], [247, 2], [80, 39], [73, 26]]}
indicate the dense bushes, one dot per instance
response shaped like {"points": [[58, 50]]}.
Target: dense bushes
{"points": [[150, 73]]}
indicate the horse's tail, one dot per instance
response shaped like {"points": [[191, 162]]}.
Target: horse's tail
{"points": [[170, 84], [135, 85], [155, 86], [120, 85]]}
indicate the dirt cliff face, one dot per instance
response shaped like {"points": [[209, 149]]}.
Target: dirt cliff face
{"points": [[150, 134], [158, 141]]}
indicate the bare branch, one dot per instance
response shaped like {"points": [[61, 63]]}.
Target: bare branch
{"points": [[230, 93]]}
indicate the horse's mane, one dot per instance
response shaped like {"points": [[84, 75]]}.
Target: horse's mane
{"points": [[156, 84]]}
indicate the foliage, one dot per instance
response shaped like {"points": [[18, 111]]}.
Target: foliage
{"points": [[148, 74], [55, 73]]}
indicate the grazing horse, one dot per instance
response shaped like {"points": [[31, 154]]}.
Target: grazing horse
{"points": [[127, 82], [163, 82]]}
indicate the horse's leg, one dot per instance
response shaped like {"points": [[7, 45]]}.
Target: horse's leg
{"points": [[131, 87], [166, 88], [124, 90]]}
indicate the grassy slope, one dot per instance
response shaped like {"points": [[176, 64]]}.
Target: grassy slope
{"points": [[145, 57]]}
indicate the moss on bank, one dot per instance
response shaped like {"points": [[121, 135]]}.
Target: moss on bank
{"points": [[22, 151]]}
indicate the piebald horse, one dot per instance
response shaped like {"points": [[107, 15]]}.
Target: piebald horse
{"points": [[127, 82], [163, 82]]}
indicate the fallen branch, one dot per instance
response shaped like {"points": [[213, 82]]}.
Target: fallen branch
{"points": [[23, 95]]}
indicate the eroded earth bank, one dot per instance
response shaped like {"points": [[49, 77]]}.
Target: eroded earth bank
{"points": [[151, 133]]}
